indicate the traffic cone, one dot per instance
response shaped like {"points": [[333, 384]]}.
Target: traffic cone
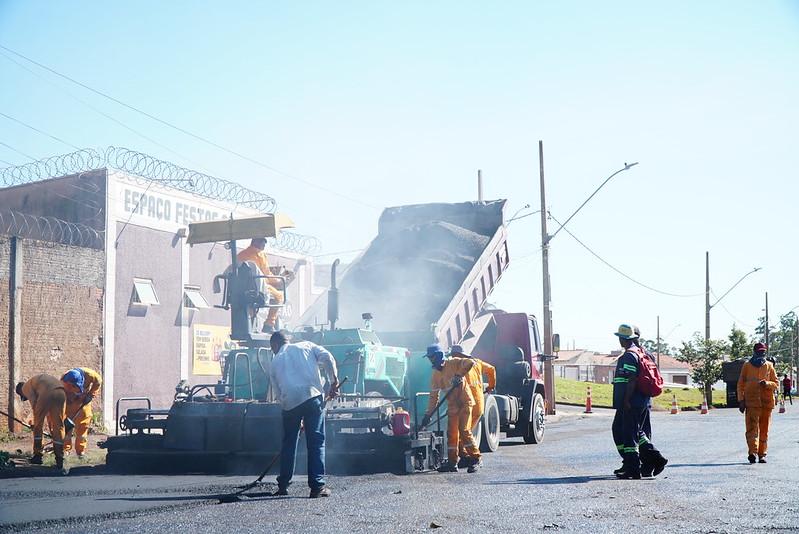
{"points": [[782, 405], [704, 406], [588, 401], [674, 408]]}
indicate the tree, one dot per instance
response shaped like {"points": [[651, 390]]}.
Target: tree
{"points": [[783, 343], [652, 346], [705, 359], [740, 347]]}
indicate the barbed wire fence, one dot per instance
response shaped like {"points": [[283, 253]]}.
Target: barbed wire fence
{"points": [[143, 166], [50, 229]]}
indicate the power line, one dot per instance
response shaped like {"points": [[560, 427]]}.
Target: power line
{"points": [[190, 134], [17, 151], [25, 124], [100, 112], [738, 321], [628, 277]]}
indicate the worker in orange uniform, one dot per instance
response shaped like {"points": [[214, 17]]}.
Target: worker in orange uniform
{"points": [[475, 382], [82, 385], [450, 374], [756, 387], [48, 400], [255, 253]]}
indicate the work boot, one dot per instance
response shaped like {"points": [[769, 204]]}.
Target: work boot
{"points": [[751, 458], [474, 465], [761, 460], [36, 459], [463, 462], [281, 492], [322, 491], [628, 473], [447, 467], [619, 470], [658, 465]]}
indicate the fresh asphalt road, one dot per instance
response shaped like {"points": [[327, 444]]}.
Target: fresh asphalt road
{"points": [[562, 485]]}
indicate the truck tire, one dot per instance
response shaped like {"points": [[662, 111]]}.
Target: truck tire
{"points": [[477, 433], [490, 426], [535, 429]]}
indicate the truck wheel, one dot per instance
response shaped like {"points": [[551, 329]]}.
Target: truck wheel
{"points": [[477, 433], [535, 431], [490, 426]]}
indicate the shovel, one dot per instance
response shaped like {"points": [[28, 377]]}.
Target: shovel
{"points": [[69, 424]]}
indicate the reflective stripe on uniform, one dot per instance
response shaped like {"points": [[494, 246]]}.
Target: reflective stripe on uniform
{"points": [[644, 440], [630, 367], [630, 449], [620, 447], [620, 380]]}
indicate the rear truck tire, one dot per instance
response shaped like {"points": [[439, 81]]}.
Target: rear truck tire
{"points": [[535, 429], [490, 424]]}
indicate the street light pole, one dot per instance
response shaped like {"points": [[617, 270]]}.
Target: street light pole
{"points": [[549, 375], [709, 306]]}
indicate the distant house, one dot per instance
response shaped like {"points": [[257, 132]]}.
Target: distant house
{"points": [[592, 366]]}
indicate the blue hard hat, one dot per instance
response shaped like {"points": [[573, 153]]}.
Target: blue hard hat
{"points": [[433, 350], [74, 376]]}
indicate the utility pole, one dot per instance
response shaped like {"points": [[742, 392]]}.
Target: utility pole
{"points": [[765, 331], [549, 375], [479, 185], [658, 342], [707, 296], [708, 390]]}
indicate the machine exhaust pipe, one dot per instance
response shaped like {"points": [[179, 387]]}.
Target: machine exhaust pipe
{"points": [[332, 297]]}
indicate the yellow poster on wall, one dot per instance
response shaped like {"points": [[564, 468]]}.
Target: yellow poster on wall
{"points": [[209, 342]]}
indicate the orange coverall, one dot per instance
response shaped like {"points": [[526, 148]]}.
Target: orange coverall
{"points": [[48, 400], [475, 382], [460, 403], [258, 256], [759, 400], [81, 416]]}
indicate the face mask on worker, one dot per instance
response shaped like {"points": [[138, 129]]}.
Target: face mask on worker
{"points": [[437, 360]]}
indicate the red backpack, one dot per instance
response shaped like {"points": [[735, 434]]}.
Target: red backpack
{"points": [[650, 381]]}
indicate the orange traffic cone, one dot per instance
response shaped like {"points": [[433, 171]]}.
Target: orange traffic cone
{"points": [[588, 401], [704, 406], [782, 405], [674, 408]]}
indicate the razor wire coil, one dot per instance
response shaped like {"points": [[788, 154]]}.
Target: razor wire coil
{"points": [[297, 243], [141, 165], [50, 229]]}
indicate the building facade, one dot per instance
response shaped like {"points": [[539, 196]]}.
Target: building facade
{"points": [[137, 303]]}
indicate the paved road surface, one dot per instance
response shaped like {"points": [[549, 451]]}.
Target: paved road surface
{"points": [[562, 485]]}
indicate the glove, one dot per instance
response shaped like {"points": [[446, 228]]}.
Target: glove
{"points": [[426, 420], [742, 406], [456, 381]]}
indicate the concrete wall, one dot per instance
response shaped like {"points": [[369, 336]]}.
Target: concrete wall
{"points": [[147, 338], [61, 301], [78, 198]]}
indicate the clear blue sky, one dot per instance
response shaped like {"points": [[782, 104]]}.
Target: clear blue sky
{"points": [[393, 103]]}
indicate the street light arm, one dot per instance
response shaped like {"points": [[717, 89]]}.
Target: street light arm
{"points": [[735, 285], [626, 167]]}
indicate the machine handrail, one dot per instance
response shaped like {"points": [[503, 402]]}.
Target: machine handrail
{"points": [[236, 369], [116, 409]]}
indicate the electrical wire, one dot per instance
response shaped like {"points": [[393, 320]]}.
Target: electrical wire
{"points": [[100, 112], [17, 151], [628, 277], [25, 124], [738, 321], [190, 134]]}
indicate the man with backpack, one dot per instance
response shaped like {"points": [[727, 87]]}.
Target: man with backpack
{"points": [[635, 381]]}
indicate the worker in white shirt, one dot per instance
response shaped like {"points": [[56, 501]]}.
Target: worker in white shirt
{"points": [[297, 383]]}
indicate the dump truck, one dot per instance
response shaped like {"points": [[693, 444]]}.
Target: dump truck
{"points": [[425, 278]]}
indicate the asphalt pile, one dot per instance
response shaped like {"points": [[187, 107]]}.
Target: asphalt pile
{"points": [[418, 261]]}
